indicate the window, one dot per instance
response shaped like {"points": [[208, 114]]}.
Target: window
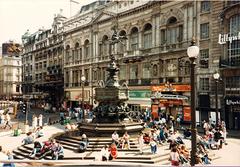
{"points": [[133, 72], [205, 6], [233, 82], [204, 55], [204, 84], [80, 54], [204, 30], [86, 48], [163, 36], [147, 36], [122, 72], [134, 39], [105, 45], [67, 56], [187, 68], [76, 51], [234, 47], [173, 33], [123, 44], [44, 64], [146, 70]]}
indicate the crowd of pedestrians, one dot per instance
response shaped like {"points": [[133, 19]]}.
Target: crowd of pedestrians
{"points": [[47, 148]]}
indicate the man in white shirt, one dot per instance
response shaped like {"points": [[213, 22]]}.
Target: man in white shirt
{"points": [[115, 138]]}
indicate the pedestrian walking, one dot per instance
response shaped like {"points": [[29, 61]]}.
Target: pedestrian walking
{"points": [[7, 120]]}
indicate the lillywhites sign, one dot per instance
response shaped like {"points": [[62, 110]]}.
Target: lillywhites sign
{"points": [[231, 102], [224, 38]]}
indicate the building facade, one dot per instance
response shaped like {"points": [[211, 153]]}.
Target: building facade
{"points": [[10, 71], [229, 39], [154, 53], [42, 64]]}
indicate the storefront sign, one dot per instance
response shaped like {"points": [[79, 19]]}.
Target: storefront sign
{"points": [[175, 88], [139, 94], [223, 38], [186, 114], [155, 111], [232, 102]]}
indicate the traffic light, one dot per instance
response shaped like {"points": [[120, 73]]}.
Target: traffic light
{"points": [[24, 108]]}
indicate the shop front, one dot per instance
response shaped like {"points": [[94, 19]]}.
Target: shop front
{"points": [[73, 98], [171, 100], [232, 112], [139, 100]]}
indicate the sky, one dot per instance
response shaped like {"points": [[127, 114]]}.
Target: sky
{"points": [[17, 16]]}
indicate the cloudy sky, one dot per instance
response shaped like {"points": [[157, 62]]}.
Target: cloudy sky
{"points": [[16, 16]]}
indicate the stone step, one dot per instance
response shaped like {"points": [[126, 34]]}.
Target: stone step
{"points": [[22, 154], [91, 142], [135, 161], [91, 145], [92, 139], [24, 150], [18, 156]]}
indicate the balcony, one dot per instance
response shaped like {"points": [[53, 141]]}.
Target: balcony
{"points": [[146, 82], [133, 82]]}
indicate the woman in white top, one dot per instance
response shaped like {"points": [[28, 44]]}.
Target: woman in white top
{"points": [[40, 120], [174, 157], [34, 122]]}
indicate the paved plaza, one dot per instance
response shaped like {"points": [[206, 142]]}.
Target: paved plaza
{"points": [[228, 155]]}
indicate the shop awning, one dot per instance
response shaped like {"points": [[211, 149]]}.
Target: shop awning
{"points": [[141, 102]]}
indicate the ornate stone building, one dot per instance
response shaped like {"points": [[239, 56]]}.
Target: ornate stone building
{"points": [[154, 53], [43, 63], [158, 34]]}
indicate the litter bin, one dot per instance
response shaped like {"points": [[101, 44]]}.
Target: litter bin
{"points": [[16, 132], [67, 120]]}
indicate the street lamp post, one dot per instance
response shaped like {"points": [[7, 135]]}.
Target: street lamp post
{"points": [[216, 77], [83, 79], [192, 52]]}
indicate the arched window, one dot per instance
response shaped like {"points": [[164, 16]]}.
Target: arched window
{"points": [[234, 46], [86, 49], [76, 52], [105, 45], [123, 44], [67, 54], [147, 36], [134, 39], [173, 32]]}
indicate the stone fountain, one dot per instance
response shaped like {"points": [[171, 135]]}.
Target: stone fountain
{"points": [[111, 114]]}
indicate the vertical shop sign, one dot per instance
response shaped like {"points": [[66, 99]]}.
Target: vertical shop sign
{"points": [[186, 114]]}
